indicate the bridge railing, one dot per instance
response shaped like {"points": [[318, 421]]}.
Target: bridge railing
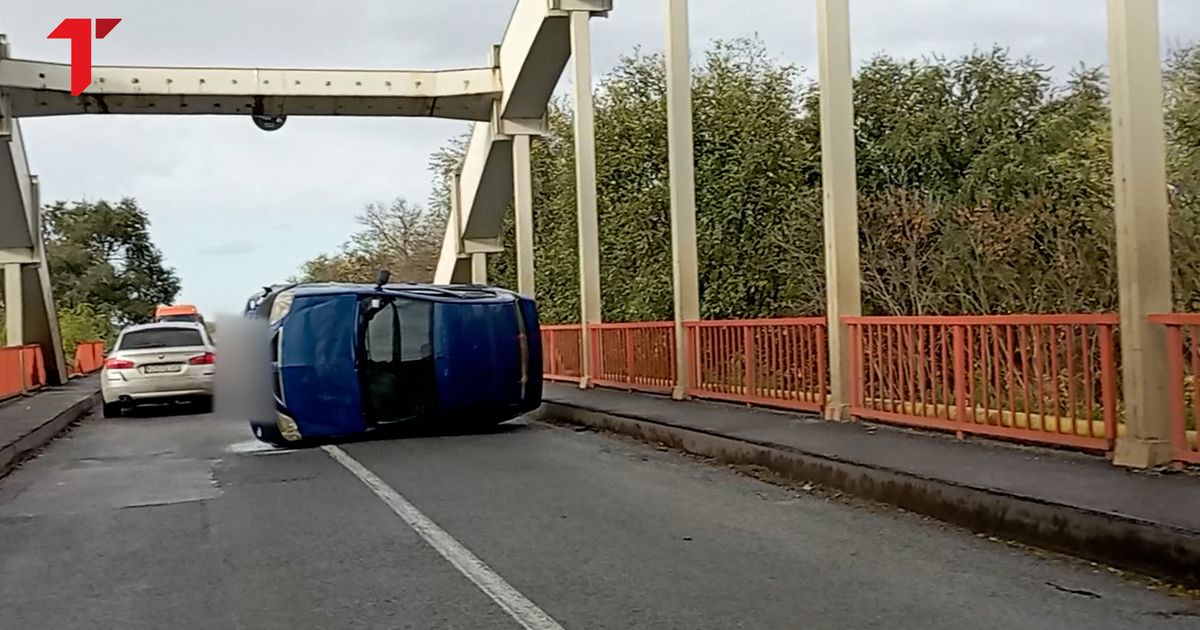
{"points": [[89, 357], [769, 362], [1049, 379], [638, 356], [562, 352], [1183, 365], [1037, 378], [22, 370]]}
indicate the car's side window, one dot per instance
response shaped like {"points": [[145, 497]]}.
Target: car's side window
{"points": [[415, 334], [381, 335]]}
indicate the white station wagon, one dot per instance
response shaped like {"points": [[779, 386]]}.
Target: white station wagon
{"points": [[164, 362]]}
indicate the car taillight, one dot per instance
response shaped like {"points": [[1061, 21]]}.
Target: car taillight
{"points": [[207, 358], [118, 364]]}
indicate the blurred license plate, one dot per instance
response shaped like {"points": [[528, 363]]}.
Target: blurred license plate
{"points": [[160, 369]]}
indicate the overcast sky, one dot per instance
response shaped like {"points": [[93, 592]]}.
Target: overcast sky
{"points": [[234, 208]]}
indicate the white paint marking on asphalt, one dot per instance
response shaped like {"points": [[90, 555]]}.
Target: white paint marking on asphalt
{"points": [[519, 607], [255, 447]]}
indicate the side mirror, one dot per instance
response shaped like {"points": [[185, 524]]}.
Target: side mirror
{"points": [[382, 278]]}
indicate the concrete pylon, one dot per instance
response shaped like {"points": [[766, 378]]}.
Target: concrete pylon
{"points": [[1143, 235]]}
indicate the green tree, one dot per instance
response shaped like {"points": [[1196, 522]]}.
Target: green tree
{"points": [[83, 322], [985, 187], [101, 254], [402, 238]]}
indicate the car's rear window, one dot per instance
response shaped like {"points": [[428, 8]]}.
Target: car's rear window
{"points": [[179, 318], [161, 338]]}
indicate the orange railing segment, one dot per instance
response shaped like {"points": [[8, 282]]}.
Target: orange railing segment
{"points": [[11, 381], [562, 352], [1183, 365], [1048, 379], [89, 357], [22, 370], [771, 362], [33, 366], [638, 355]]}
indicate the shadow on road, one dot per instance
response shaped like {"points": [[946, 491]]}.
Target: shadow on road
{"points": [[411, 430], [172, 410]]}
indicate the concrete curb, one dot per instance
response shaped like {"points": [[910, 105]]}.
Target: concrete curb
{"points": [[15, 453], [1129, 543]]}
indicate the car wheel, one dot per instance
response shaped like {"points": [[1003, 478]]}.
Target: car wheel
{"points": [[111, 410], [205, 405]]}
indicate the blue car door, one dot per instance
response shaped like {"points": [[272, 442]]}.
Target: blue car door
{"points": [[320, 381]]}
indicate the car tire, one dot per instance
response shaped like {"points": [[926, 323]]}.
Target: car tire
{"points": [[205, 405], [111, 410]]}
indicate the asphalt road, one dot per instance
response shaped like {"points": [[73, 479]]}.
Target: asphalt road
{"points": [[183, 522]]}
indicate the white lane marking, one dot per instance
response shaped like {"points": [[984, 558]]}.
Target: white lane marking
{"points": [[255, 447], [519, 607]]}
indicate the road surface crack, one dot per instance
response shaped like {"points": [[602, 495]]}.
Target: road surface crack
{"points": [[1074, 591]]}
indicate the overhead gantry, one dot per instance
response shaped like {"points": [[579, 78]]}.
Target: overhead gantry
{"points": [[35, 88], [506, 99]]}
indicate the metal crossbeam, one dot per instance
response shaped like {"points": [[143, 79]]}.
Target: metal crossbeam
{"points": [[36, 88]]}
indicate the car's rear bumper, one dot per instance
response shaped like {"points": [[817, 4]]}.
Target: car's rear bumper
{"points": [[148, 390]]}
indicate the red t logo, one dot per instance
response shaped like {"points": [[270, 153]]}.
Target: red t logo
{"points": [[79, 31]]}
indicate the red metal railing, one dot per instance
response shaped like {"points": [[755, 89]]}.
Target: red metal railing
{"points": [[1183, 363], [637, 356], [562, 352], [1039, 378], [771, 362], [33, 366], [89, 357], [10, 372], [22, 370]]}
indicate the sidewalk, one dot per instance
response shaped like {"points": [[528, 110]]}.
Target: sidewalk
{"points": [[1068, 502], [27, 424]]}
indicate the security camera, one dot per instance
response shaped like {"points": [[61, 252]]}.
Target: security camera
{"points": [[268, 123]]}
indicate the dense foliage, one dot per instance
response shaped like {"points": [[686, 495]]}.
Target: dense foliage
{"points": [[101, 254], [984, 188], [106, 271]]}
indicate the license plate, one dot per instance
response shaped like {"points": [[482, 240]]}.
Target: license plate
{"points": [[162, 368]]}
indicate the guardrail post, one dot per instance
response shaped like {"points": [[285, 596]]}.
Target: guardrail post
{"points": [[748, 359], [1178, 399], [693, 357], [21, 370], [629, 353], [1108, 384], [856, 362], [823, 368], [960, 378]]}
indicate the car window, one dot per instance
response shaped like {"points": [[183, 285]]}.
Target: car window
{"points": [[179, 318], [415, 334], [161, 338], [381, 335]]}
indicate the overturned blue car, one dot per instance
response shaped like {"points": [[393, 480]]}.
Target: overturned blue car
{"points": [[349, 359]]}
